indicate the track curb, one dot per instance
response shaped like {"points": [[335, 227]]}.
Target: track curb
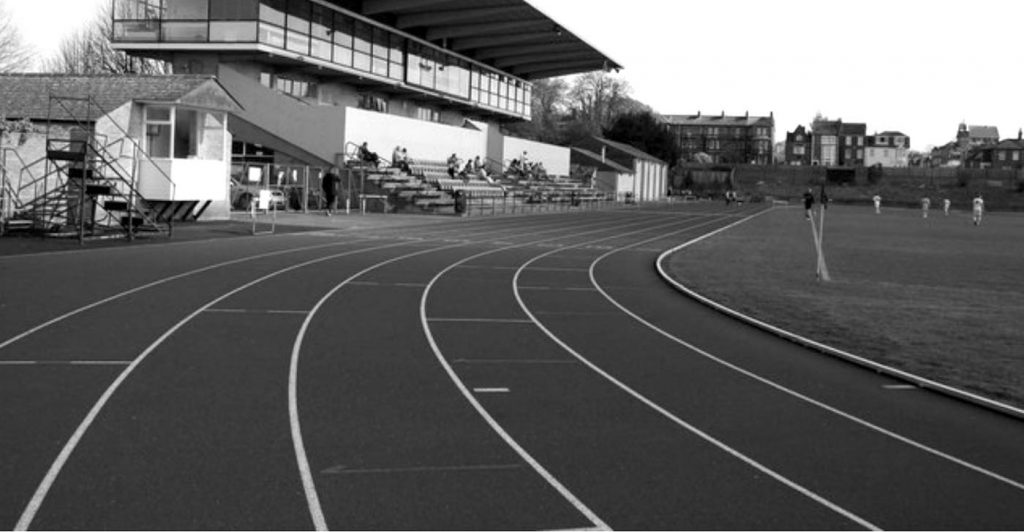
{"points": [[890, 371]]}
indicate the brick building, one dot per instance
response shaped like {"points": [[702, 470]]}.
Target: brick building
{"points": [[726, 139]]}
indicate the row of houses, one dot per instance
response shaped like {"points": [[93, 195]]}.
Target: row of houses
{"points": [[838, 143], [979, 147]]}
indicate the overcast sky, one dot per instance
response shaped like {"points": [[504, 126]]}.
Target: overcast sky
{"points": [[917, 67]]}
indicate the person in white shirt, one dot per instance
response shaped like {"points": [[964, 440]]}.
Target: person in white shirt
{"points": [[926, 204], [978, 207], [945, 206], [878, 203]]}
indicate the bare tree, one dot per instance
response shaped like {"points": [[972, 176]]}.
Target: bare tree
{"points": [[598, 98], [88, 51], [15, 56]]}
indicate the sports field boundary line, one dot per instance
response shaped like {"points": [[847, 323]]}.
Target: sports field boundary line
{"points": [[846, 356]]}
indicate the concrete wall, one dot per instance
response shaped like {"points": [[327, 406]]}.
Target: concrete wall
{"points": [[555, 158], [425, 141]]}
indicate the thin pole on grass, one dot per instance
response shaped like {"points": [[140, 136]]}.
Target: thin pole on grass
{"points": [[822, 267]]}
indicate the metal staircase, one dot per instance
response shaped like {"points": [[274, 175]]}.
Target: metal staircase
{"points": [[86, 190]]}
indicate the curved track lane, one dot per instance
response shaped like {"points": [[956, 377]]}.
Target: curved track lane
{"points": [[506, 373]]}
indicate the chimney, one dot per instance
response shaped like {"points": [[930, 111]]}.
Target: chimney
{"points": [[698, 114], [723, 114], [746, 114], [1020, 132]]}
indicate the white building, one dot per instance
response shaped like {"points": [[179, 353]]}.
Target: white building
{"points": [[887, 149]]}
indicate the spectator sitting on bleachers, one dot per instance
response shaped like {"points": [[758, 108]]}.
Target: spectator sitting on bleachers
{"points": [[367, 156], [453, 166], [400, 160], [467, 171]]}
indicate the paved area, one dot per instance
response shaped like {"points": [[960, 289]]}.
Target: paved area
{"points": [[521, 372]]}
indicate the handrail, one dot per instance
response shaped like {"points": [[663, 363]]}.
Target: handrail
{"points": [[91, 101]]}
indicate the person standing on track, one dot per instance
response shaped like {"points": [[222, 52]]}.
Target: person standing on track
{"points": [[808, 203], [330, 184], [977, 207]]}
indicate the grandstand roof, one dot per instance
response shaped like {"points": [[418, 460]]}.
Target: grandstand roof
{"points": [[592, 158], [511, 35]]}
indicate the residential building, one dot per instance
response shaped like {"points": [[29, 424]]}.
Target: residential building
{"points": [[726, 139], [838, 143], [1007, 154], [968, 137], [798, 147], [888, 148]]}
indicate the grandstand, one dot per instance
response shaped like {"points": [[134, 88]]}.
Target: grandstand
{"points": [[314, 78]]}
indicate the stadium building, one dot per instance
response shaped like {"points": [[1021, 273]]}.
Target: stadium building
{"points": [[315, 78], [271, 93]]}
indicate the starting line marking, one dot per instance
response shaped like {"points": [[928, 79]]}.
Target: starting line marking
{"points": [[479, 320], [513, 361], [490, 390], [558, 288], [899, 387]]}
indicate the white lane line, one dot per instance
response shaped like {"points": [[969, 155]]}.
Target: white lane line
{"points": [[543, 269], [64, 362], [342, 470], [491, 390], [899, 387], [664, 412], [255, 311], [863, 422], [495, 426], [558, 288], [158, 282], [25, 521], [308, 483], [513, 361], [479, 320]]}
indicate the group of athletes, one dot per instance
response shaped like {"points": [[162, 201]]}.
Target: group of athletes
{"points": [[977, 205]]}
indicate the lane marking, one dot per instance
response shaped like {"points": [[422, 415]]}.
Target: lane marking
{"points": [[255, 311], [807, 342], [502, 433], [559, 288], [25, 521], [479, 320], [512, 361], [899, 387], [543, 269], [342, 470], [64, 362], [491, 390], [305, 472], [663, 411]]}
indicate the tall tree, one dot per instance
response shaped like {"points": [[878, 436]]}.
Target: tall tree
{"points": [[15, 55], [88, 51], [646, 132], [547, 109], [597, 98]]}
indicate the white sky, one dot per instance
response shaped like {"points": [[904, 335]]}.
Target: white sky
{"points": [[917, 67]]}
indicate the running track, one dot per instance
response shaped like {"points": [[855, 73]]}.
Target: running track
{"points": [[528, 372]]}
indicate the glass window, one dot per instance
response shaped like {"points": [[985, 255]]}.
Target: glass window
{"points": [[233, 31], [272, 35], [298, 42], [320, 19], [298, 16], [363, 35], [186, 142], [272, 11], [187, 10], [158, 131], [234, 10], [184, 31], [320, 49]]}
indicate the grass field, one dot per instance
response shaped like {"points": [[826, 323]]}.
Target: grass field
{"points": [[938, 297]]}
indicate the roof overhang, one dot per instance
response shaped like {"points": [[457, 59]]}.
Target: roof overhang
{"points": [[510, 35]]}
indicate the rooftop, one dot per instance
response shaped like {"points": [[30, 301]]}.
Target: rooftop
{"points": [[28, 95]]}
